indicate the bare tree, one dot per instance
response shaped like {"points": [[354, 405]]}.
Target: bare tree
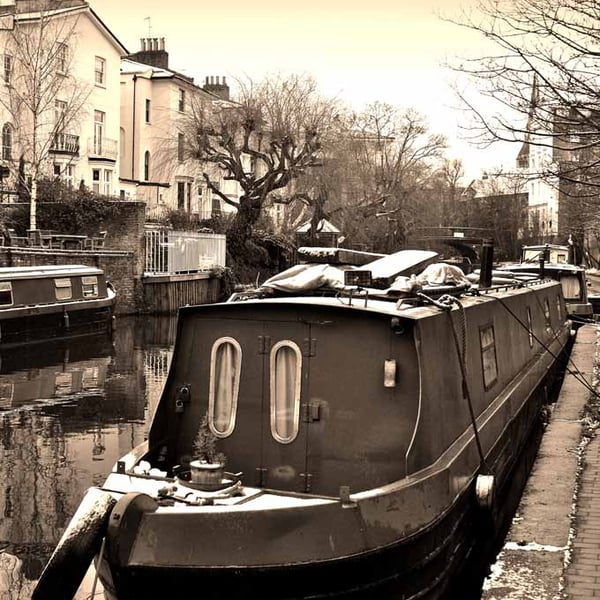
{"points": [[391, 155], [44, 98], [539, 83], [264, 141]]}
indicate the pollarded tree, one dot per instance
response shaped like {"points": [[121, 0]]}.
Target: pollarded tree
{"points": [[270, 135], [42, 98]]}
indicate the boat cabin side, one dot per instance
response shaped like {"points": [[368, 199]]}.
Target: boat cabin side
{"points": [[318, 398], [48, 285]]}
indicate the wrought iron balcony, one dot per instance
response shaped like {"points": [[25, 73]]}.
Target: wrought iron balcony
{"points": [[65, 143]]}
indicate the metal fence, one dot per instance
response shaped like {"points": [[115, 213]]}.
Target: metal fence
{"points": [[170, 251]]}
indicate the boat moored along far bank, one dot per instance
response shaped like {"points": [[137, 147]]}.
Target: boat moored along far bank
{"points": [[53, 302], [372, 416], [553, 261]]}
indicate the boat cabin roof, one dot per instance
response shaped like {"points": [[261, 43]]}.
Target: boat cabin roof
{"points": [[42, 272]]}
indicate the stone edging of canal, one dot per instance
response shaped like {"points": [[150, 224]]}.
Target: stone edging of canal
{"points": [[538, 561]]}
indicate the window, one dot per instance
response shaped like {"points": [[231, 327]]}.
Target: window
{"points": [[547, 313], [7, 140], [181, 101], [96, 181], [225, 369], [99, 120], [107, 182], [6, 297], [68, 176], [180, 195], [8, 67], [146, 166], [60, 110], [61, 57], [487, 340], [100, 71], [89, 286], [559, 307], [147, 110], [63, 288], [180, 149], [286, 370], [529, 327]]}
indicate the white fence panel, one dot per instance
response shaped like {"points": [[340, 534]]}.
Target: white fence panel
{"points": [[183, 251]]}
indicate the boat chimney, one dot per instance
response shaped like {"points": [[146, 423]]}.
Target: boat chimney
{"points": [[487, 260], [542, 262]]}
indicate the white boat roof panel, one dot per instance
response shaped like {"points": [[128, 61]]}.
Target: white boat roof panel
{"points": [[39, 272], [399, 263]]}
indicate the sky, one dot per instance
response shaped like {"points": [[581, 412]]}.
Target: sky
{"points": [[360, 51]]}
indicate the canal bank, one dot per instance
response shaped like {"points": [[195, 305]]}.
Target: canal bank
{"points": [[552, 551]]}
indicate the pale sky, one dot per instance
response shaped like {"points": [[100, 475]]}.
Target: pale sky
{"points": [[358, 50]]}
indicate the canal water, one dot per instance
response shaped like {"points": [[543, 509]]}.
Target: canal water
{"points": [[68, 411]]}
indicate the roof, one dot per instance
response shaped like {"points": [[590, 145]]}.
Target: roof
{"points": [[324, 226], [74, 8]]}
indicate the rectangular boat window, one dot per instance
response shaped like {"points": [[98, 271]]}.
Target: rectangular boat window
{"points": [[529, 327], [6, 297], [286, 370], [89, 286], [487, 340], [63, 288], [559, 308], [225, 368], [547, 313]]}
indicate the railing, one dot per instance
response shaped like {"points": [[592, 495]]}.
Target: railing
{"points": [[183, 251], [65, 143], [102, 148]]}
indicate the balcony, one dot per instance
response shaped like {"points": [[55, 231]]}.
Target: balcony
{"points": [[102, 148], [65, 143]]}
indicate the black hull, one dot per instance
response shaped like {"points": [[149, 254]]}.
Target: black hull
{"points": [[418, 568], [55, 326], [446, 561]]}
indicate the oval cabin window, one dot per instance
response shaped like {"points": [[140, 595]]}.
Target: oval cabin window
{"points": [[286, 370], [225, 367]]}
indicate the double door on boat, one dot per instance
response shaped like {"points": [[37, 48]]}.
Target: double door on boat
{"points": [[301, 418], [257, 400]]}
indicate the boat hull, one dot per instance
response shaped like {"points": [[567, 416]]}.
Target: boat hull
{"points": [[427, 564]]}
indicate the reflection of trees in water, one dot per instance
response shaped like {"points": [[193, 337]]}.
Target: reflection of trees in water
{"points": [[54, 449], [38, 495]]}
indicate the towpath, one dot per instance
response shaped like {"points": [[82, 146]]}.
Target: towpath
{"points": [[552, 551]]}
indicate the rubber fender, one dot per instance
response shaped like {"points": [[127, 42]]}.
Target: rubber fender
{"points": [[123, 526], [484, 491], [78, 545]]}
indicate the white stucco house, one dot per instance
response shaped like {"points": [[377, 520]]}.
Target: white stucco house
{"points": [[156, 106], [73, 134]]}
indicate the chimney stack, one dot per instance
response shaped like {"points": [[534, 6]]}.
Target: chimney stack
{"points": [[217, 85], [152, 52]]}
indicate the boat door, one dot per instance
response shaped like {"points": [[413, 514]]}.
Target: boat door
{"points": [[285, 388]]}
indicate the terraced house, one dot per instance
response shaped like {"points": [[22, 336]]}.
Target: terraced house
{"points": [[59, 98]]}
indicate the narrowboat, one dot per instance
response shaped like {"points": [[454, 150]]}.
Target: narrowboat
{"points": [[342, 431], [552, 260], [52, 302]]}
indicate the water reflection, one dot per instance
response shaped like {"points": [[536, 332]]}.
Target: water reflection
{"points": [[67, 413]]}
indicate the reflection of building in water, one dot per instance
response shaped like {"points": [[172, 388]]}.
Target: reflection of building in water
{"points": [[82, 414], [157, 362], [52, 382]]}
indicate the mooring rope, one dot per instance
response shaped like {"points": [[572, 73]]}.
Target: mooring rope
{"points": [[445, 303]]}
